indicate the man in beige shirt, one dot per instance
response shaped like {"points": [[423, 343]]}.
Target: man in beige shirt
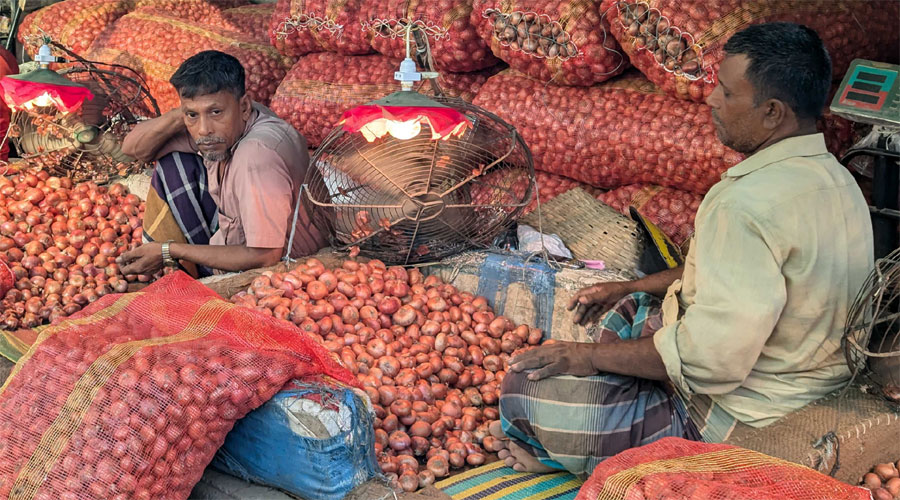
{"points": [[750, 326], [227, 179]]}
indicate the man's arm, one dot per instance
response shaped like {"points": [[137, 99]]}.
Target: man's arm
{"points": [[590, 303], [635, 358], [226, 257], [147, 258], [146, 141]]}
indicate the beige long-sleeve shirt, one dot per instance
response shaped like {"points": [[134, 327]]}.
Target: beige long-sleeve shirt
{"points": [[753, 329]]}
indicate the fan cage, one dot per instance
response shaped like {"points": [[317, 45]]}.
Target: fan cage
{"points": [[46, 138], [420, 200], [872, 334]]}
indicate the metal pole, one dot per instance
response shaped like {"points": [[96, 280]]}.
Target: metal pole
{"points": [[885, 184]]}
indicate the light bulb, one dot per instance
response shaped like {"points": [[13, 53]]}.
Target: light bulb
{"points": [[404, 130]]}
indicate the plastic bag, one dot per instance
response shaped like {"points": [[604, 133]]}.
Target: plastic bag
{"points": [[325, 428]]}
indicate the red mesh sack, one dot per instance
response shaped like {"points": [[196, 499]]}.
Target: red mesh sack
{"points": [[321, 86], [73, 23], [155, 44], [621, 132], [673, 211], [196, 11], [565, 42], [300, 27], [455, 45], [679, 44], [130, 398], [674, 468], [252, 19]]}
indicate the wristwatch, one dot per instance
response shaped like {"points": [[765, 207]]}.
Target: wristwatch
{"points": [[168, 261]]}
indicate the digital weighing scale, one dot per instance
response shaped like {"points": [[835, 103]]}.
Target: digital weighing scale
{"points": [[870, 93]]}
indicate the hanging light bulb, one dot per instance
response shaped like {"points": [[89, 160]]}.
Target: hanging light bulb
{"points": [[404, 130], [43, 87], [402, 113]]}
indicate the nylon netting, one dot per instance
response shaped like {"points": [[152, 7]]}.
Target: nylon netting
{"points": [[321, 86], [674, 468], [679, 44], [446, 24], [155, 44], [300, 27], [617, 133], [131, 397], [565, 42]]}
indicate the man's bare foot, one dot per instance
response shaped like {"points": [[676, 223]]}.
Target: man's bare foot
{"points": [[513, 455]]}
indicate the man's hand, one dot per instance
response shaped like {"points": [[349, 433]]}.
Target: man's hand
{"points": [[558, 358], [590, 303], [145, 259]]}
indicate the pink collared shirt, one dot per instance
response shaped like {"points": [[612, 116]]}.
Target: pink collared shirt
{"points": [[259, 186]]}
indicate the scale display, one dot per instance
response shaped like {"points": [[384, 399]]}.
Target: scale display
{"points": [[869, 93]]}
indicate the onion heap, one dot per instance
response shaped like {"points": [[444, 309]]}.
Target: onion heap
{"points": [[884, 481], [61, 241], [430, 358]]}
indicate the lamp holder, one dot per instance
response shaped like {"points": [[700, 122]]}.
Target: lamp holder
{"points": [[408, 74], [44, 57]]}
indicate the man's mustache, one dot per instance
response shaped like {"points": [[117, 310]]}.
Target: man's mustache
{"points": [[207, 141]]}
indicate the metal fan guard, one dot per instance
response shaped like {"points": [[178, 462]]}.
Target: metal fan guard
{"points": [[420, 200], [46, 138], [872, 334]]}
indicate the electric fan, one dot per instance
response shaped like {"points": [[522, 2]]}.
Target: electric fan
{"points": [[415, 200], [872, 333], [410, 179], [85, 144]]}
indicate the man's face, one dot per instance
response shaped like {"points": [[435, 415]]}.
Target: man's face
{"points": [[739, 121], [215, 122]]}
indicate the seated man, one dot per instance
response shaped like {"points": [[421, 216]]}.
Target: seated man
{"points": [[750, 327], [227, 177]]}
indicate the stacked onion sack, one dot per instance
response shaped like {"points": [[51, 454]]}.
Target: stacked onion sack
{"points": [[679, 44], [155, 43], [61, 242], [431, 358], [321, 86]]}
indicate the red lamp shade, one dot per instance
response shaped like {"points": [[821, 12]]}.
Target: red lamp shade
{"points": [[401, 115], [43, 87]]}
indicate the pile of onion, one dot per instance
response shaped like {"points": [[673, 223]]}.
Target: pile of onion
{"points": [[430, 358], [884, 481], [61, 242]]}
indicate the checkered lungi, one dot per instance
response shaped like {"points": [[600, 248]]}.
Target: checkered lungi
{"points": [[574, 423], [179, 206]]}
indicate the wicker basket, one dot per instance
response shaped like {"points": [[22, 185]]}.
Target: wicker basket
{"points": [[591, 229]]}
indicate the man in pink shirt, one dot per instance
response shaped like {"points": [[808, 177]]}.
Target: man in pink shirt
{"points": [[228, 174]]}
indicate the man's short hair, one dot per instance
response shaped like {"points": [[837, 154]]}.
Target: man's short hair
{"points": [[788, 62], [209, 72]]}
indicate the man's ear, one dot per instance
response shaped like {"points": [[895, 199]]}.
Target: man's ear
{"points": [[777, 112], [246, 107]]}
